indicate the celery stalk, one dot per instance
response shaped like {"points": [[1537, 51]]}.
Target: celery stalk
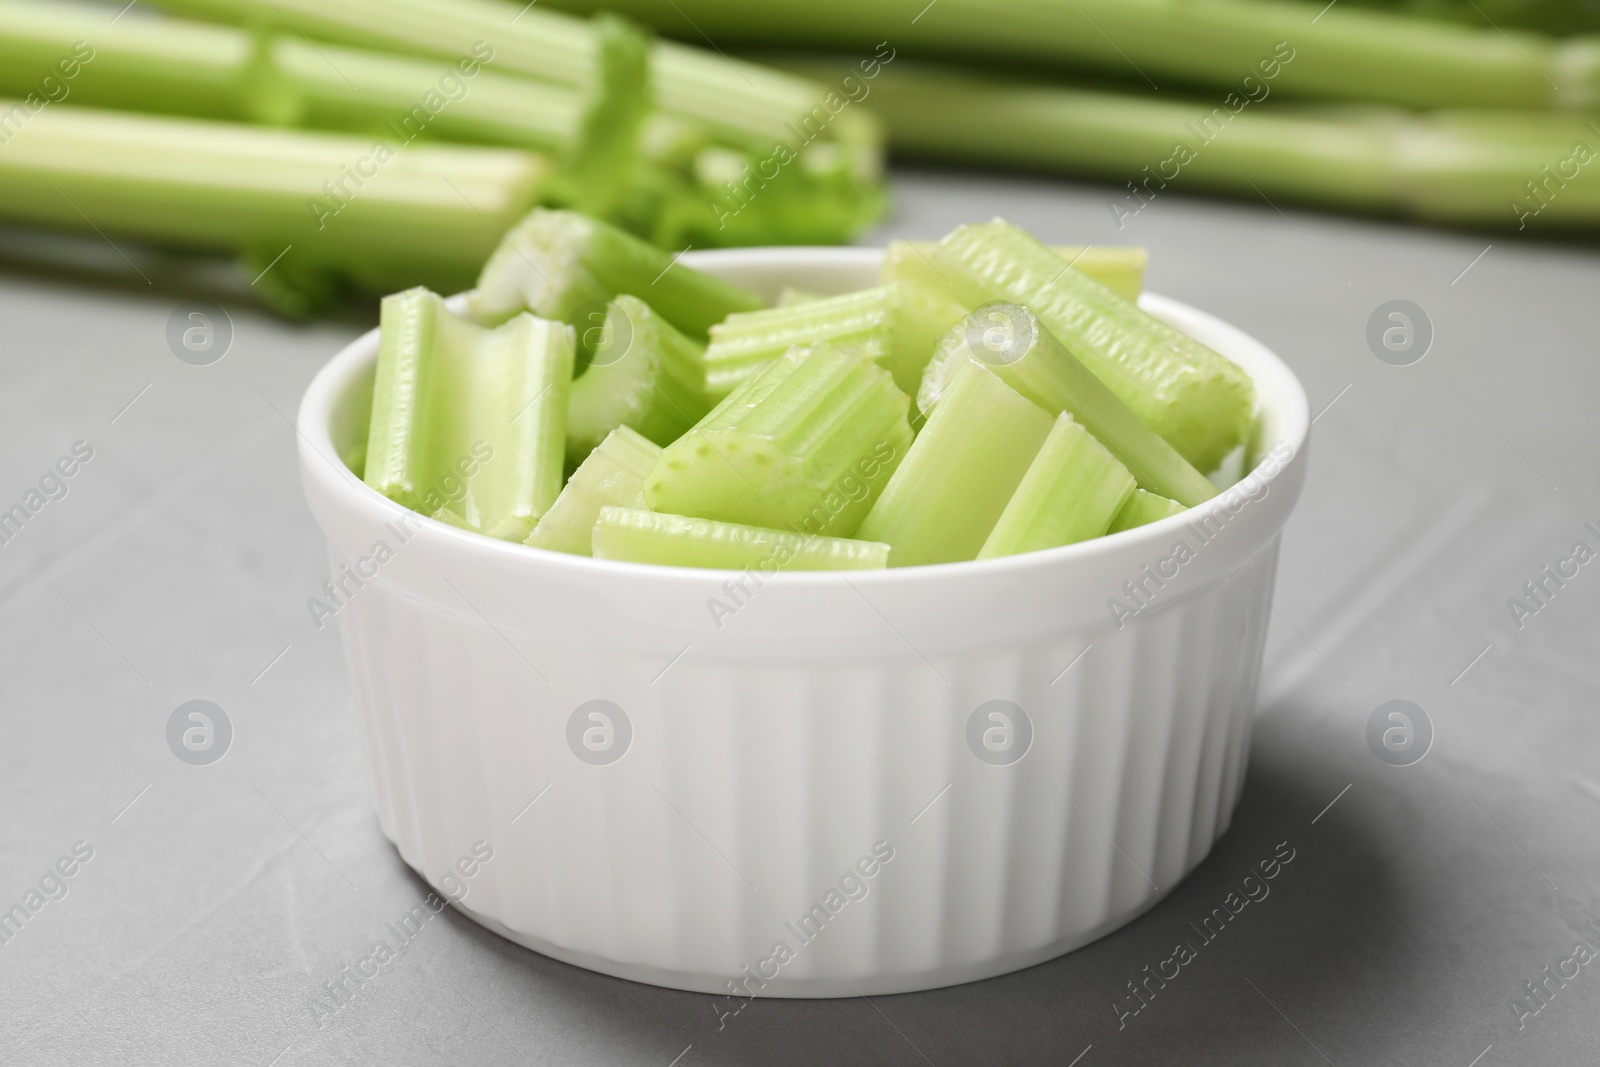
{"points": [[677, 540], [1335, 52], [964, 466], [741, 98], [829, 182], [1142, 508], [1479, 168], [554, 262], [1198, 400], [610, 476], [1073, 490], [466, 419], [644, 375], [175, 66], [806, 444], [1119, 268], [896, 324], [744, 343], [425, 213], [924, 301], [1011, 341], [622, 159]]}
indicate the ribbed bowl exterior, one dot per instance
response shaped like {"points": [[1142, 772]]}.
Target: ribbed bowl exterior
{"points": [[804, 804]]}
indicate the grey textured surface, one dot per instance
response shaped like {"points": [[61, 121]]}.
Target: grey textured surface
{"points": [[1416, 907]]}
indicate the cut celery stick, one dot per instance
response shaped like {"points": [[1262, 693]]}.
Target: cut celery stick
{"points": [[1010, 340], [926, 301], [918, 316], [469, 419], [644, 375], [612, 476], [898, 325], [1119, 268], [553, 262], [742, 344], [680, 541], [1072, 491], [963, 468], [1141, 508], [807, 444], [1195, 398]]}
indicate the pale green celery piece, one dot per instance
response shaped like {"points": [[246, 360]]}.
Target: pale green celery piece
{"points": [[356, 457], [1143, 507], [918, 316], [745, 343], [554, 262], [1119, 268], [644, 375], [962, 470], [468, 419], [640, 536], [806, 445], [925, 301], [1011, 341], [1195, 398], [1073, 490], [611, 476], [896, 324]]}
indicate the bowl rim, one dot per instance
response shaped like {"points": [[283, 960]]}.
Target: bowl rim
{"points": [[319, 459]]}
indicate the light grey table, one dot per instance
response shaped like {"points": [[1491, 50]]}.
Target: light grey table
{"points": [[218, 900]]}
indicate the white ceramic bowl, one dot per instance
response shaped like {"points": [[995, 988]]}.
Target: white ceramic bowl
{"points": [[763, 761]]}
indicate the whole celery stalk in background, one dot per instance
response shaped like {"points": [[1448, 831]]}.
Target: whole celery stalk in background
{"points": [[1500, 169], [394, 217], [605, 141], [1549, 16], [828, 182], [1342, 52]]}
